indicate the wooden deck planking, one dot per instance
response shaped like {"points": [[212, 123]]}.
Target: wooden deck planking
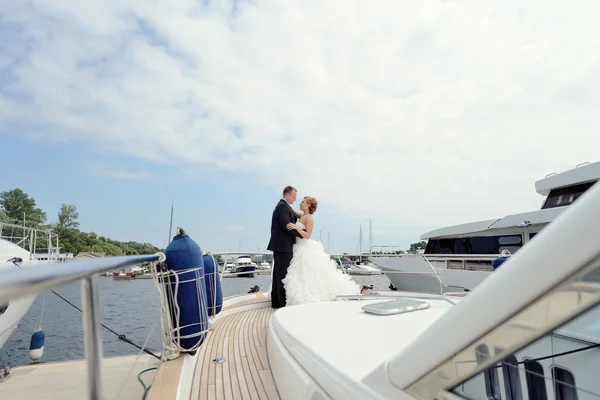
{"points": [[166, 380], [240, 339], [260, 298]]}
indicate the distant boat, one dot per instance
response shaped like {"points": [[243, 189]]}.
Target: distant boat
{"points": [[364, 267], [12, 312], [244, 264]]}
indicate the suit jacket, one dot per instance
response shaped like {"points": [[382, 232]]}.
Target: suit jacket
{"points": [[282, 239]]}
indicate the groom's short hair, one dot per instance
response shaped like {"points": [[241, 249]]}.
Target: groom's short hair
{"points": [[289, 189]]}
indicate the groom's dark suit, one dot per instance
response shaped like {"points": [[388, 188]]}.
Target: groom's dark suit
{"points": [[282, 245]]}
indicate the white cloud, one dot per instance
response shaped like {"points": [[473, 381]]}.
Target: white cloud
{"points": [[420, 113]]}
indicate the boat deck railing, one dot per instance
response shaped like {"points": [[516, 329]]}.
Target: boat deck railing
{"points": [[31, 239], [451, 257], [33, 279], [451, 261]]}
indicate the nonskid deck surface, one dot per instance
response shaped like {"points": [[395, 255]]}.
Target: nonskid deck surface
{"points": [[68, 380], [240, 340]]}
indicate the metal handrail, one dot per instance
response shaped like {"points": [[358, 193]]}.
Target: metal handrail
{"points": [[35, 279], [15, 283], [470, 257], [409, 272], [436, 274]]}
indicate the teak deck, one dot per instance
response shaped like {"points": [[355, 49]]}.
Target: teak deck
{"points": [[240, 339], [260, 298]]}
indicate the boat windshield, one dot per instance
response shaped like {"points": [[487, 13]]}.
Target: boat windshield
{"points": [[562, 364]]}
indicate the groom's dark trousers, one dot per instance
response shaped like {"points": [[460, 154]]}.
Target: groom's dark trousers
{"points": [[282, 245]]}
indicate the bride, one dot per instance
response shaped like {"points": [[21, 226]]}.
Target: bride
{"points": [[312, 276]]}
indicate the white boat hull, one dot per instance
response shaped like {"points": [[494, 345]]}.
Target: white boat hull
{"points": [[293, 382], [413, 273], [10, 319], [17, 308], [363, 272]]}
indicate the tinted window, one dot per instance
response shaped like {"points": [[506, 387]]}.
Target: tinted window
{"points": [[536, 383], [564, 384], [512, 383], [473, 245], [477, 245], [440, 246], [565, 196]]}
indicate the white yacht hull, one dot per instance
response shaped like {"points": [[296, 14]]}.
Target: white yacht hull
{"points": [[414, 273], [17, 308], [12, 316], [313, 355], [293, 382]]}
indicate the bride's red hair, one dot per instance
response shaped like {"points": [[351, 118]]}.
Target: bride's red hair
{"points": [[312, 204]]}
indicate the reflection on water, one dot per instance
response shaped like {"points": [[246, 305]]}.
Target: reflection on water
{"points": [[127, 307]]}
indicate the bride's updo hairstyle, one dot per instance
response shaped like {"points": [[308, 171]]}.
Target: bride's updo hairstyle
{"points": [[312, 204]]}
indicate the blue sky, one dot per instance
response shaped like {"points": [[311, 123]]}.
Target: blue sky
{"points": [[218, 211], [416, 115]]}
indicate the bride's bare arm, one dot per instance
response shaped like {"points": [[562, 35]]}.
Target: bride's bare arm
{"points": [[309, 223]]}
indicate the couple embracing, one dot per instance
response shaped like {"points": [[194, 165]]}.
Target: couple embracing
{"points": [[302, 271]]}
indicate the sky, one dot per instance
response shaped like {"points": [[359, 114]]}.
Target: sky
{"points": [[411, 115]]}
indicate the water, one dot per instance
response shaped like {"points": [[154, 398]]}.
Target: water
{"points": [[127, 307]]}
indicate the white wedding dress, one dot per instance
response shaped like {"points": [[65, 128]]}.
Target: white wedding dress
{"points": [[313, 276]]}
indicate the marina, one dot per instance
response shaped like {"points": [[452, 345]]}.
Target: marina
{"points": [[267, 200], [214, 341]]}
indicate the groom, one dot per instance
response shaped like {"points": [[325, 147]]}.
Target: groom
{"points": [[282, 244]]}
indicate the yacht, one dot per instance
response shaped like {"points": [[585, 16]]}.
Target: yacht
{"points": [[530, 333], [238, 264], [460, 257], [363, 267], [18, 252], [264, 265], [244, 267]]}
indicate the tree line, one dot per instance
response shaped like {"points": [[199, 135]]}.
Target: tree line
{"points": [[18, 208]]}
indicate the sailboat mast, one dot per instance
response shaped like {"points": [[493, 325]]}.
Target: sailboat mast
{"points": [[171, 223], [360, 242], [370, 236]]}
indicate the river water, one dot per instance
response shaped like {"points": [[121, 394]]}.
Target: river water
{"points": [[127, 307]]}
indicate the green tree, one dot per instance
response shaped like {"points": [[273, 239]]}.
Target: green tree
{"points": [[100, 247], [66, 229], [418, 246], [68, 217], [18, 205], [4, 217]]}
